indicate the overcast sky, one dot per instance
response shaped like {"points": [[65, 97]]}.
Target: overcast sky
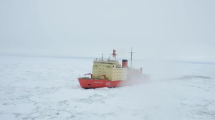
{"points": [[156, 29]]}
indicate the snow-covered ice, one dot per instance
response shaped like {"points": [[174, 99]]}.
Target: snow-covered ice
{"points": [[41, 88]]}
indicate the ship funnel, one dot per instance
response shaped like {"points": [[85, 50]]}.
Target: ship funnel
{"points": [[124, 63]]}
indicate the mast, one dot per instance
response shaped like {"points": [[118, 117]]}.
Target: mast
{"points": [[102, 57], [114, 54], [131, 58]]}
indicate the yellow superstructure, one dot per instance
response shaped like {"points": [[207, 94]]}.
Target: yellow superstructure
{"points": [[110, 68]]}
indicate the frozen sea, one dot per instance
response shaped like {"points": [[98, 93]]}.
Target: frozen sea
{"points": [[42, 88]]}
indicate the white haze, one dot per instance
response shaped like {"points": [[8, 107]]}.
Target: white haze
{"points": [[167, 29], [46, 88]]}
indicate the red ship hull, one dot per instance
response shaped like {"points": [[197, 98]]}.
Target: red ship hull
{"points": [[97, 83]]}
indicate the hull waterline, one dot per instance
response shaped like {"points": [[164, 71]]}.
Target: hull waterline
{"points": [[97, 83]]}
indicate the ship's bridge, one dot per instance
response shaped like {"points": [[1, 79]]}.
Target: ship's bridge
{"points": [[110, 68]]}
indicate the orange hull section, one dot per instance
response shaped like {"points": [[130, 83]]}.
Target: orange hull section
{"points": [[96, 83]]}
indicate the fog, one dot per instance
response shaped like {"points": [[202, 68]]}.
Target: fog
{"points": [[168, 29]]}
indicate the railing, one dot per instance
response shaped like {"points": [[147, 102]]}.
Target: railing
{"points": [[100, 59], [84, 77]]}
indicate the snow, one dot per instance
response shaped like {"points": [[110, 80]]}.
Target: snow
{"points": [[40, 88]]}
